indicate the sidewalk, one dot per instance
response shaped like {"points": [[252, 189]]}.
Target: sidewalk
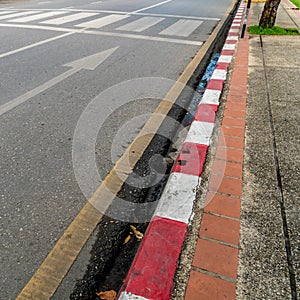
{"points": [[247, 242], [240, 227]]}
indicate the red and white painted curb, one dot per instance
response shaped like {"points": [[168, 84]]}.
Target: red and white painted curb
{"points": [[151, 274]]}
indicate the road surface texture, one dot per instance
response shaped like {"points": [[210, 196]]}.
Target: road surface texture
{"points": [[46, 84]]}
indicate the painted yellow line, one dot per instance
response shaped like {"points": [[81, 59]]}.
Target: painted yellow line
{"points": [[49, 275]]}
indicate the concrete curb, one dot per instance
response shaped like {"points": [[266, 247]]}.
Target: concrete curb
{"points": [[292, 11], [151, 274]]}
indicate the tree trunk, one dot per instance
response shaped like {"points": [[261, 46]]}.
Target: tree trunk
{"points": [[268, 16]]}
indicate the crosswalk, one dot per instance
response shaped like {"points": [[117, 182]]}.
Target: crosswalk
{"points": [[104, 21], [182, 28], [37, 17], [141, 24], [179, 27], [69, 18], [18, 14], [5, 12]]}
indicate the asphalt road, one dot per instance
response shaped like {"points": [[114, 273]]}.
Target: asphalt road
{"points": [[39, 193]]}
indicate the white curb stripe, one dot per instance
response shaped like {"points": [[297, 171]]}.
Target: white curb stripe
{"points": [[176, 202], [200, 133], [225, 59], [232, 38], [229, 47], [211, 97], [219, 74], [129, 296]]}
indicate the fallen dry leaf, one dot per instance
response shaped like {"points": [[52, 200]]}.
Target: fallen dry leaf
{"points": [[137, 233], [108, 295], [127, 239]]}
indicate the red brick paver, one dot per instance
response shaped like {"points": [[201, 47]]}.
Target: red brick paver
{"points": [[214, 267], [222, 205], [202, 286], [234, 155], [220, 229], [223, 262]]}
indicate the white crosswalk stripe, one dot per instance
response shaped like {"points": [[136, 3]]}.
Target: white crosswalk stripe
{"points": [[7, 12], [182, 28], [19, 14], [38, 17], [141, 24], [68, 19], [98, 23]]}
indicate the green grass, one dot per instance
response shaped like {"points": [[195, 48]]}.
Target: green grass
{"points": [[296, 2], [275, 30]]}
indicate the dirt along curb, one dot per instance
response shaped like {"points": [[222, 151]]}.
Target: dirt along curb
{"points": [[151, 274]]}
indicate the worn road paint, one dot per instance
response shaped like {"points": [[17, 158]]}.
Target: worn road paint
{"points": [[88, 63]]}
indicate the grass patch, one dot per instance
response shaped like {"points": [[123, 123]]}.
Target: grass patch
{"points": [[296, 2], [275, 30]]}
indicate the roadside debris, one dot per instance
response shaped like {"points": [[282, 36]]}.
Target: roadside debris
{"points": [[127, 239], [108, 295], [133, 231], [137, 233]]}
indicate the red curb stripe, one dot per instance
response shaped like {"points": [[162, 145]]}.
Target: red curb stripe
{"points": [[222, 66], [231, 42], [191, 159], [206, 113], [233, 34], [215, 84], [227, 52], [151, 274]]}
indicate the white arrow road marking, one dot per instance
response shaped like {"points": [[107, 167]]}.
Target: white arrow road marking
{"points": [[89, 63]]}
